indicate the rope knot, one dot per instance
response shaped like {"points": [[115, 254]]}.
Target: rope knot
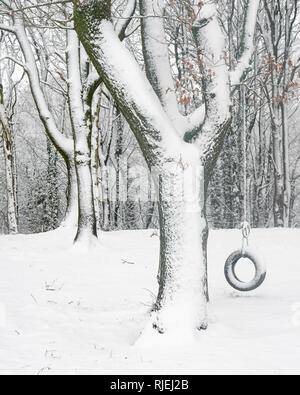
{"points": [[246, 229]]}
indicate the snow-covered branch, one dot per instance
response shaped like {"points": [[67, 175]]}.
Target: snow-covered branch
{"points": [[7, 5], [62, 143], [247, 41], [13, 60], [6, 28], [156, 55], [93, 80], [193, 123], [122, 74], [35, 6], [122, 23], [74, 81], [9, 167], [210, 40]]}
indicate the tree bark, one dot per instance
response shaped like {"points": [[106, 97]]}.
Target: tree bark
{"points": [[86, 214], [118, 156], [10, 195], [278, 170], [71, 215], [183, 250], [9, 169], [286, 166], [96, 170], [87, 228]]}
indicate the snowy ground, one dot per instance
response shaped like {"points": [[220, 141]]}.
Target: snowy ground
{"points": [[73, 313]]}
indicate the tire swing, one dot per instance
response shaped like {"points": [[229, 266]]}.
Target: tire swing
{"points": [[245, 252], [232, 260]]}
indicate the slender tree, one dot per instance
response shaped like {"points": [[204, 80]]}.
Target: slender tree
{"points": [[8, 151]]}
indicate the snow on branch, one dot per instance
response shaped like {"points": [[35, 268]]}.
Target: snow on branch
{"points": [[74, 81], [211, 44], [62, 143], [34, 6], [6, 4], [193, 122], [121, 72], [93, 80], [156, 55], [13, 60], [123, 22], [6, 28], [247, 42]]}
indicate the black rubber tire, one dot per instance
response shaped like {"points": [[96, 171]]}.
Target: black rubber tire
{"points": [[234, 281]]}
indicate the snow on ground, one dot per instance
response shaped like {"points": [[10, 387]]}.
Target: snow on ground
{"points": [[73, 312]]}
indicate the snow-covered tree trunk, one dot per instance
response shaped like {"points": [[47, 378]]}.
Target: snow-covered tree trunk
{"points": [[9, 169], [104, 174], [182, 296], [52, 201], [289, 13], [178, 226], [71, 215], [180, 150], [281, 206], [106, 209], [286, 166], [87, 227], [278, 168], [95, 161], [118, 156]]}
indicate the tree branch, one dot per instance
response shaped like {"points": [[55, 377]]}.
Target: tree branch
{"points": [[122, 23], [156, 56], [63, 144], [13, 60], [9, 29], [247, 43], [41, 5], [122, 74]]}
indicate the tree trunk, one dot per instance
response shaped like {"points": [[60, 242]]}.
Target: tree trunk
{"points": [[104, 196], [9, 169], [96, 176], [71, 215], [278, 172], [182, 297], [52, 201], [86, 214], [150, 205], [11, 204], [87, 228], [118, 155], [286, 167]]}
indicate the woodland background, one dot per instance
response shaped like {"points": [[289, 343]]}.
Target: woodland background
{"points": [[126, 193]]}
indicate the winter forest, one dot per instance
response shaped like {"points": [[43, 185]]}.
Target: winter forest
{"points": [[145, 144]]}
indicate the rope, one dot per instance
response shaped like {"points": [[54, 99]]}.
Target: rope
{"points": [[245, 226], [246, 229], [245, 155]]}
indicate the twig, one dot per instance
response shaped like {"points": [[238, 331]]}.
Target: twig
{"points": [[127, 262]]}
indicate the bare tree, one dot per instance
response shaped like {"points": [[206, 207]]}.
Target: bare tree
{"points": [[181, 149]]}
